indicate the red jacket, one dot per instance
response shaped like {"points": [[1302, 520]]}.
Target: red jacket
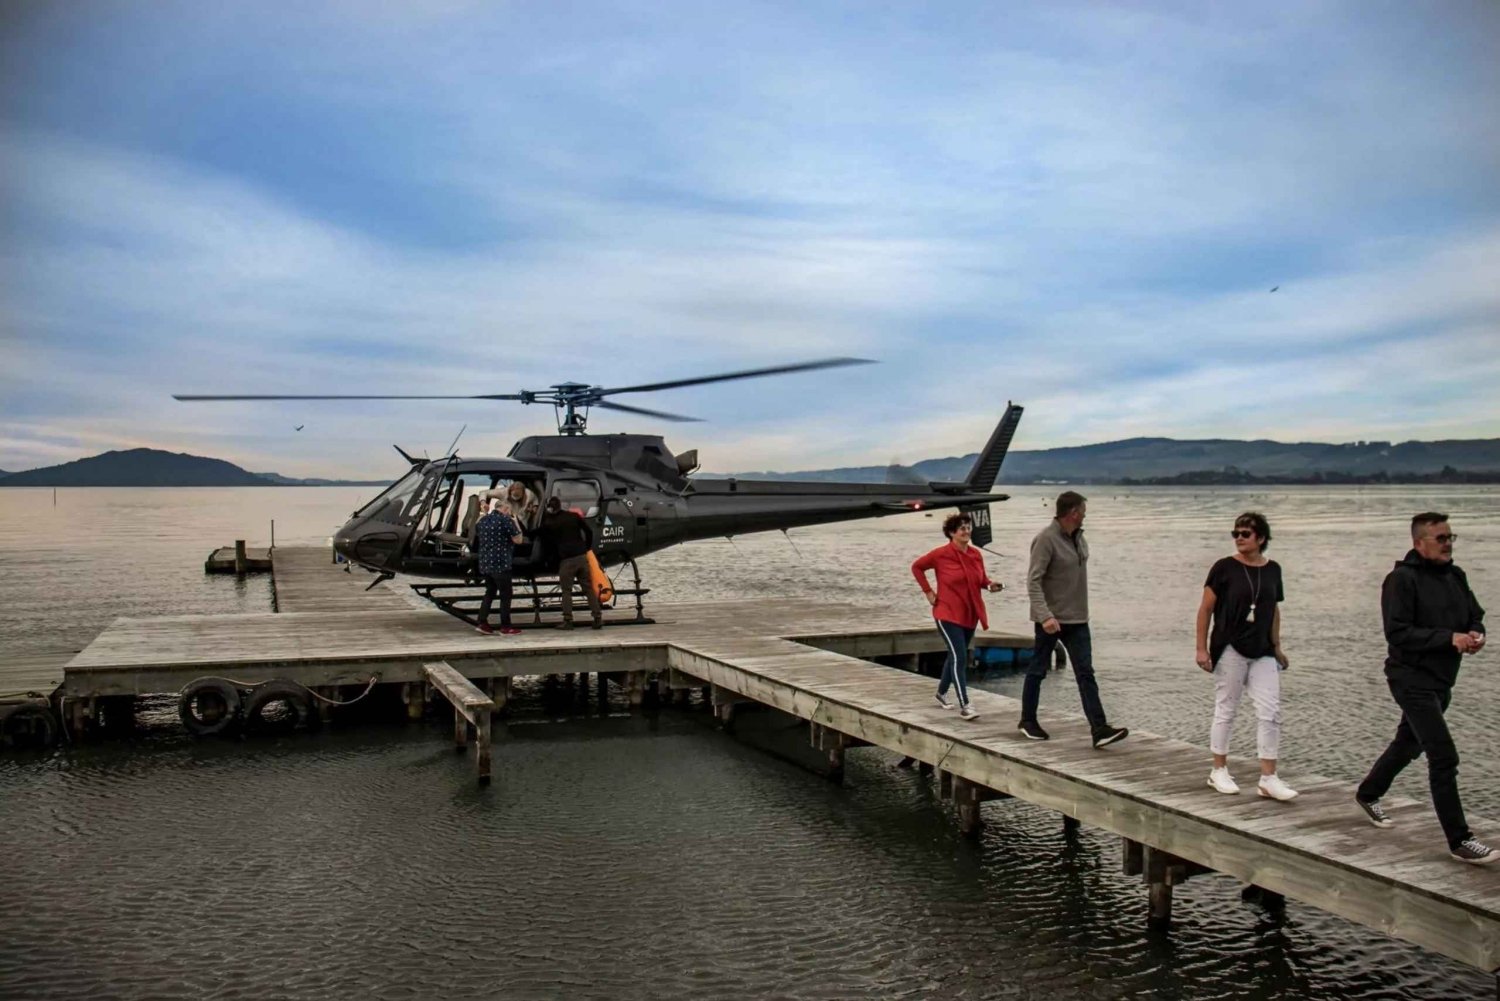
{"points": [[961, 580]]}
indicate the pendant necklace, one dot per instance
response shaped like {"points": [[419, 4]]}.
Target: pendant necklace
{"points": [[1254, 590]]}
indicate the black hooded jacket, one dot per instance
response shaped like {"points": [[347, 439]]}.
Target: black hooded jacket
{"points": [[1423, 603]]}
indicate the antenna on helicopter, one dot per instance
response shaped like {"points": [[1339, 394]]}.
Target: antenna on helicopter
{"points": [[455, 439], [571, 400]]}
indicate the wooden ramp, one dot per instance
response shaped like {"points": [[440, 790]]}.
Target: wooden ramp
{"points": [[306, 579]]}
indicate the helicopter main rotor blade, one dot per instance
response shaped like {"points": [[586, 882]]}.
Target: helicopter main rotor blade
{"points": [[649, 413], [749, 373], [189, 398]]}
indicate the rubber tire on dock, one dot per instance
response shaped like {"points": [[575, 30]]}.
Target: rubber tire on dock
{"points": [[298, 701], [30, 726], [210, 723]]}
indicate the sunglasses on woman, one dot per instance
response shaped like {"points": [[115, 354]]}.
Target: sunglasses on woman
{"points": [[1242, 533]]}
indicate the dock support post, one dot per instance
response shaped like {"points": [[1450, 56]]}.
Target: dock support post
{"points": [[1158, 878], [723, 701], [482, 748], [416, 699], [945, 784], [635, 688], [460, 732], [241, 564], [1070, 824], [832, 742], [966, 795], [1133, 863], [500, 692], [1161, 871]]}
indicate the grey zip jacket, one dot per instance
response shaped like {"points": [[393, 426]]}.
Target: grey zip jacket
{"points": [[1058, 580]]}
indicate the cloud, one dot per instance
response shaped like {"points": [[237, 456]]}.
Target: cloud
{"points": [[1079, 208]]}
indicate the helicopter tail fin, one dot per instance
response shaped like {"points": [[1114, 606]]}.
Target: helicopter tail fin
{"points": [[414, 462], [987, 467]]}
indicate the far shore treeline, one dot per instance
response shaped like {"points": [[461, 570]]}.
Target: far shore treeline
{"points": [[1132, 462]]}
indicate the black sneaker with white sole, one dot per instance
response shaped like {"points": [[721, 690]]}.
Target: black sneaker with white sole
{"points": [[1375, 812], [1475, 852], [1032, 730], [1106, 735]]}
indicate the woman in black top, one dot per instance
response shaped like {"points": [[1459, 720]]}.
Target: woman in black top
{"points": [[1242, 596]]}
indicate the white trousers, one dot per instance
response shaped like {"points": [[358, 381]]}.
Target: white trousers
{"points": [[1234, 674]]}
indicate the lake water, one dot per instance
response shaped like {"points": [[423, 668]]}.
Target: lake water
{"points": [[622, 856]]}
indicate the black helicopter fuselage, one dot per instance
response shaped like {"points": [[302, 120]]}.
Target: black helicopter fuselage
{"points": [[636, 495]]}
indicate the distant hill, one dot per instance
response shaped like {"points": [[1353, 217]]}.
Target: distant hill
{"points": [[138, 467], [276, 479], [1144, 459], [150, 467]]}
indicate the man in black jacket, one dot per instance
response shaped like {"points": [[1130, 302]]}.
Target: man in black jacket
{"points": [[569, 537], [1432, 620]]}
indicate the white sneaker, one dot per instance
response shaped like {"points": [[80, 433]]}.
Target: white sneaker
{"points": [[1272, 787], [967, 712], [1222, 781]]}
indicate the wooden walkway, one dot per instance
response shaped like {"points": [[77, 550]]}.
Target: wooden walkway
{"points": [[305, 579], [803, 657]]}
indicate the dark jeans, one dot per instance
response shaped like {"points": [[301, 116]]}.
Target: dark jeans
{"points": [[955, 666], [577, 567], [1422, 729], [496, 583], [1075, 638]]}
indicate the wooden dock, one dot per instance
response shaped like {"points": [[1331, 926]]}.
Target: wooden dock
{"points": [[808, 659]]}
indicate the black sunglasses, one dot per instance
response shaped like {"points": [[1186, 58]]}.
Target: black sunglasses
{"points": [[1242, 533], [1445, 538]]}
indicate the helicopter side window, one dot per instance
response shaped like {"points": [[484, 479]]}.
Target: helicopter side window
{"points": [[578, 495]]}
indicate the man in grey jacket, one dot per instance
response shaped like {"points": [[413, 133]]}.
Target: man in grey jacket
{"points": [[1058, 586]]}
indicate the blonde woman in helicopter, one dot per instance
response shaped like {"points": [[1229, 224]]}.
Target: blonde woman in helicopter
{"points": [[1242, 596]]}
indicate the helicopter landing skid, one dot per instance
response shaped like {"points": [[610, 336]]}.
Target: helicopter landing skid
{"points": [[534, 597]]}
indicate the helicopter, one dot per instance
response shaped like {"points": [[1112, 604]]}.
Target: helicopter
{"points": [[636, 494]]}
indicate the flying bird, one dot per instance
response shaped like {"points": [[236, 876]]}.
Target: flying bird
{"points": [[299, 427], [1275, 287]]}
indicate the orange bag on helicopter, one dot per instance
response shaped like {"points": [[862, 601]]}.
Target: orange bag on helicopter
{"points": [[599, 581]]}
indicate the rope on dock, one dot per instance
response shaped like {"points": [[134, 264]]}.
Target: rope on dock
{"points": [[333, 702]]}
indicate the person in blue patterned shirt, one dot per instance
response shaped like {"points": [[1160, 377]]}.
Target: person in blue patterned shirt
{"points": [[495, 539]]}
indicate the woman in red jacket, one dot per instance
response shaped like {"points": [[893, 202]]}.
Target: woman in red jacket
{"points": [[958, 603]]}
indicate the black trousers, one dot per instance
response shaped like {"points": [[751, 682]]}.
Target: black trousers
{"points": [[1422, 730], [496, 583]]}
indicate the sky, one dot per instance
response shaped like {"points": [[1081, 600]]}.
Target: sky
{"points": [[1079, 207]]}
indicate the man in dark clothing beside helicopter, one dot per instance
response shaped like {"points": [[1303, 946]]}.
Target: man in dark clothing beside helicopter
{"points": [[568, 536], [496, 536]]}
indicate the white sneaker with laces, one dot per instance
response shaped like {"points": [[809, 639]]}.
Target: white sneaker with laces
{"points": [[1272, 787], [967, 712], [1222, 781]]}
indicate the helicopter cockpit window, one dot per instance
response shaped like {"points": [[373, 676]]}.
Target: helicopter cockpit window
{"points": [[389, 505], [578, 495]]}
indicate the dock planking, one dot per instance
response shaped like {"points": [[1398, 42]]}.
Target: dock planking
{"points": [[803, 657]]}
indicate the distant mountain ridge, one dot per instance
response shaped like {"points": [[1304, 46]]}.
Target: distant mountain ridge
{"points": [[1216, 460], [151, 467], [1161, 458]]}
